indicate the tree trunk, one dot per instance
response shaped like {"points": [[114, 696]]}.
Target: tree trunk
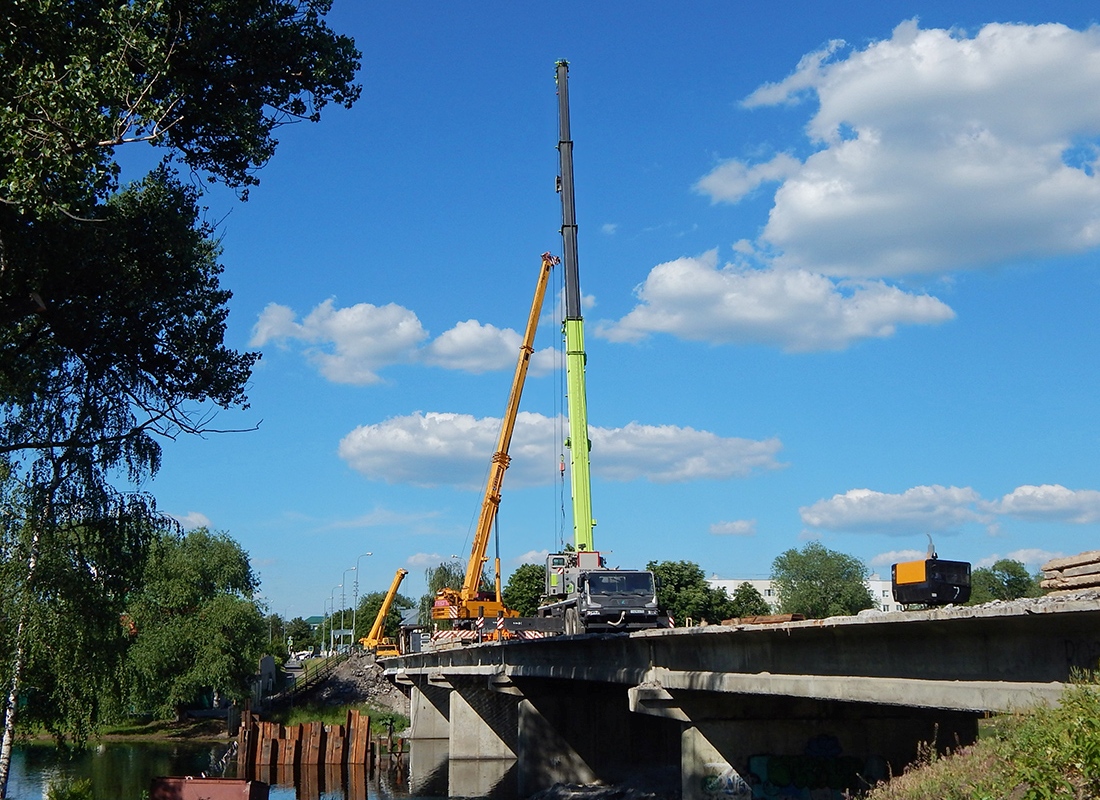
{"points": [[9, 707], [18, 660]]}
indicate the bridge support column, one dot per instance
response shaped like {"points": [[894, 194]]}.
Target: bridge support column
{"points": [[484, 723], [582, 732], [429, 711], [545, 756]]}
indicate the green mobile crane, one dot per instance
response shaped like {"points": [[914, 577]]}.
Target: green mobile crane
{"points": [[580, 590]]}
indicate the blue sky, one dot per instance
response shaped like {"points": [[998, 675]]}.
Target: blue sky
{"points": [[839, 267]]}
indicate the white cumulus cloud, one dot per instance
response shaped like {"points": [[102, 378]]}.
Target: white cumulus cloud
{"points": [[1032, 557], [737, 527], [351, 345], [917, 510], [348, 345], [924, 509], [473, 347], [439, 448], [695, 299], [1050, 502], [883, 561], [192, 520], [531, 557], [935, 151], [733, 179], [423, 560]]}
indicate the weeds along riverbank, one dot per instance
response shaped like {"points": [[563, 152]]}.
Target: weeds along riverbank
{"points": [[1040, 754]]}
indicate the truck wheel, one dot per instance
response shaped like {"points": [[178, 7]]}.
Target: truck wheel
{"points": [[572, 622]]}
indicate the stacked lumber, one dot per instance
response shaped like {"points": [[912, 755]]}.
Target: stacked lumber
{"points": [[1071, 573]]}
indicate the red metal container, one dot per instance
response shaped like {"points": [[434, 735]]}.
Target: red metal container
{"points": [[189, 788]]}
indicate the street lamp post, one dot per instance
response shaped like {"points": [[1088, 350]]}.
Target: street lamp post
{"points": [[343, 602], [332, 603], [328, 617], [355, 596]]}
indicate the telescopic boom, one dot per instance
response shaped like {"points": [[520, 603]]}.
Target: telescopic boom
{"points": [[578, 442], [469, 603]]}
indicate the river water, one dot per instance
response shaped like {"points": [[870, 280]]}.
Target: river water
{"points": [[123, 771]]}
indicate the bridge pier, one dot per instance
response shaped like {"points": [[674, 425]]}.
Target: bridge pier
{"points": [[580, 732], [430, 710], [484, 722]]}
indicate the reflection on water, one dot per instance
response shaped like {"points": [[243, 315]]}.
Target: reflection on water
{"points": [[123, 771]]}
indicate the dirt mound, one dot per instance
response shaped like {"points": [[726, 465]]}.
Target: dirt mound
{"points": [[359, 680]]}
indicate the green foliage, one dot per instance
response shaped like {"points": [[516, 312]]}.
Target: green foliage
{"points": [[70, 789], [449, 574], [1037, 754], [525, 589], [685, 594], [112, 320], [197, 627], [1007, 579], [748, 602], [303, 635], [125, 330], [818, 582], [337, 715], [209, 80], [275, 626], [367, 613], [64, 585]]}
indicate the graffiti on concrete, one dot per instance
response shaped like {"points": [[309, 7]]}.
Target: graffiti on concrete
{"points": [[721, 782], [822, 772]]}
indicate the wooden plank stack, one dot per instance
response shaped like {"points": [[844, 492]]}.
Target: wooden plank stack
{"points": [[1072, 573]]}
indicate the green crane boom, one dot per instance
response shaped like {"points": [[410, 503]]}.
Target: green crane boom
{"points": [[575, 358]]}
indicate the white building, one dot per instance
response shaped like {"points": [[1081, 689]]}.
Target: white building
{"points": [[880, 590]]}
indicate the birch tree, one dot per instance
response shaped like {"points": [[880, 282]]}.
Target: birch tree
{"points": [[112, 317]]}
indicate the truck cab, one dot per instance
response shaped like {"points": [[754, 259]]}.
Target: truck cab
{"points": [[589, 597]]}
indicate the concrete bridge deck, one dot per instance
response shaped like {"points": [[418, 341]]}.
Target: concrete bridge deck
{"points": [[714, 699]]}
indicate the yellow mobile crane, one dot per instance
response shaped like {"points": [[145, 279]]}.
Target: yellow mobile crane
{"points": [[466, 605], [373, 641]]}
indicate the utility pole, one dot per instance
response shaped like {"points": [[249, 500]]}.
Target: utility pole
{"points": [[355, 596]]}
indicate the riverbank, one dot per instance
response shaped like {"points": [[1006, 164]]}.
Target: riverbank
{"points": [[190, 730]]}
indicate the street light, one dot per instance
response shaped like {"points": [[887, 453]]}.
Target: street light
{"points": [[355, 595], [325, 609], [343, 603], [332, 603]]}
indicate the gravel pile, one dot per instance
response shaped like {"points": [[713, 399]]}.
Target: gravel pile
{"points": [[359, 680]]}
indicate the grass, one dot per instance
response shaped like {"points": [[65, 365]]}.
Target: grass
{"points": [[1040, 754], [337, 715], [139, 729]]}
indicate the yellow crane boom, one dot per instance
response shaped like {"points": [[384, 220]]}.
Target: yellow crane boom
{"points": [[374, 638], [470, 602]]}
